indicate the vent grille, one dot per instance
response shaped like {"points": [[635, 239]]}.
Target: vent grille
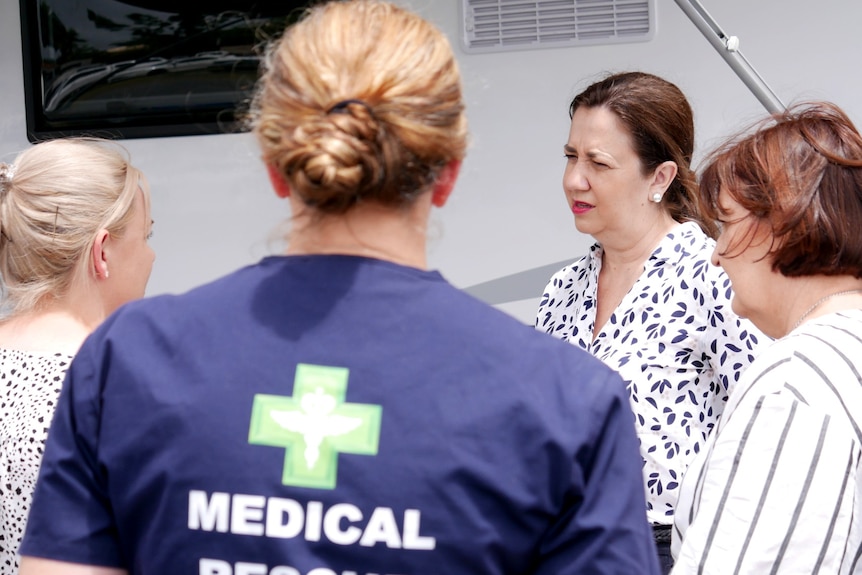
{"points": [[498, 25]]}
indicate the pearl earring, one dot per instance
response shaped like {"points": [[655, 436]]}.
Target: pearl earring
{"points": [[656, 197]]}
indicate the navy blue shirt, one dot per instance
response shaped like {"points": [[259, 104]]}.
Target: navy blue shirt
{"points": [[333, 414]]}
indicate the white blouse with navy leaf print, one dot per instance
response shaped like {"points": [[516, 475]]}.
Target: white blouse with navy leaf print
{"points": [[675, 341]]}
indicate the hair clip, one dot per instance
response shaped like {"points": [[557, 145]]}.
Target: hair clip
{"points": [[341, 107], [6, 173]]}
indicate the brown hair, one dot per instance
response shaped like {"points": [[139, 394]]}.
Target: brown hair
{"points": [[661, 124], [360, 100], [800, 173], [54, 199]]}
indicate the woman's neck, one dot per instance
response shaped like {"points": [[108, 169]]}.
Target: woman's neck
{"points": [[50, 329], [631, 251], [810, 297], [368, 229]]}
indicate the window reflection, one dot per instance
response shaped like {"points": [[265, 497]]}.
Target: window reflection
{"points": [[104, 64]]}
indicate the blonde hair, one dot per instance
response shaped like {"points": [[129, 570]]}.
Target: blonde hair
{"points": [[54, 200], [360, 100]]}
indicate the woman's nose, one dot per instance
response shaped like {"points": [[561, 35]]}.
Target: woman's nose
{"points": [[574, 178]]}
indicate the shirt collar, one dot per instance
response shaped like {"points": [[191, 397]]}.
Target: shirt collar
{"points": [[676, 245]]}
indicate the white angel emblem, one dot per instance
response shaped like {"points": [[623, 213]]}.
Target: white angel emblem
{"points": [[315, 422]]}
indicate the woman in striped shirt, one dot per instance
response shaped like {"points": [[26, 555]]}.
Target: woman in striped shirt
{"points": [[777, 488]]}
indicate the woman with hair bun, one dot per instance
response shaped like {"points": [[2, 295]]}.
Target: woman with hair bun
{"points": [[341, 408], [74, 224]]}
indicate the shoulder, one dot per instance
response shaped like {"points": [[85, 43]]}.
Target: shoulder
{"points": [[567, 392], [233, 288], [691, 234], [692, 254], [818, 366], [681, 269], [161, 321], [683, 261], [816, 348], [789, 388], [828, 350], [784, 385], [23, 365], [538, 370], [489, 328], [708, 285], [567, 285]]}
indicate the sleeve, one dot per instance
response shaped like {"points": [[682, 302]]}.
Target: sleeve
{"points": [[776, 493], [603, 528], [558, 298], [545, 320], [71, 518]]}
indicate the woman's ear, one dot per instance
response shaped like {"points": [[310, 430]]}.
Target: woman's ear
{"points": [[279, 184], [445, 183], [99, 256], [663, 177]]}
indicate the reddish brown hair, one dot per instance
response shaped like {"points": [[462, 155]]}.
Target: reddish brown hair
{"points": [[800, 174], [660, 122]]}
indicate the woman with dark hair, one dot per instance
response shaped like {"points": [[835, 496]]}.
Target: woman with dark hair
{"points": [[341, 408], [777, 489], [646, 300]]}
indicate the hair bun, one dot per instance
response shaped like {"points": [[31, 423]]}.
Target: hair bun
{"points": [[372, 119], [337, 157]]}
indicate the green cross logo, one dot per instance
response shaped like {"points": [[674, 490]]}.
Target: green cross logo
{"points": [[318, 418]]}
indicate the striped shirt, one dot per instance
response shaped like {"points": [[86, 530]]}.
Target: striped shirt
{"points": [[778, 488]]}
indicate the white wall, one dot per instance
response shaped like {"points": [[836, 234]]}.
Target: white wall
{"points": [[214, 210]]}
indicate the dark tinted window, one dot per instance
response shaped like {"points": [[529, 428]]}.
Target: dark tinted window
{"points": [[139, 68]]}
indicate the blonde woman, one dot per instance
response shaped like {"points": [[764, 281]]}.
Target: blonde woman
{"points": [[341, 408], [74, 222]]}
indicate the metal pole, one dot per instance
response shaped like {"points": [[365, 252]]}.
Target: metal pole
{"points": [[728, 48]]}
